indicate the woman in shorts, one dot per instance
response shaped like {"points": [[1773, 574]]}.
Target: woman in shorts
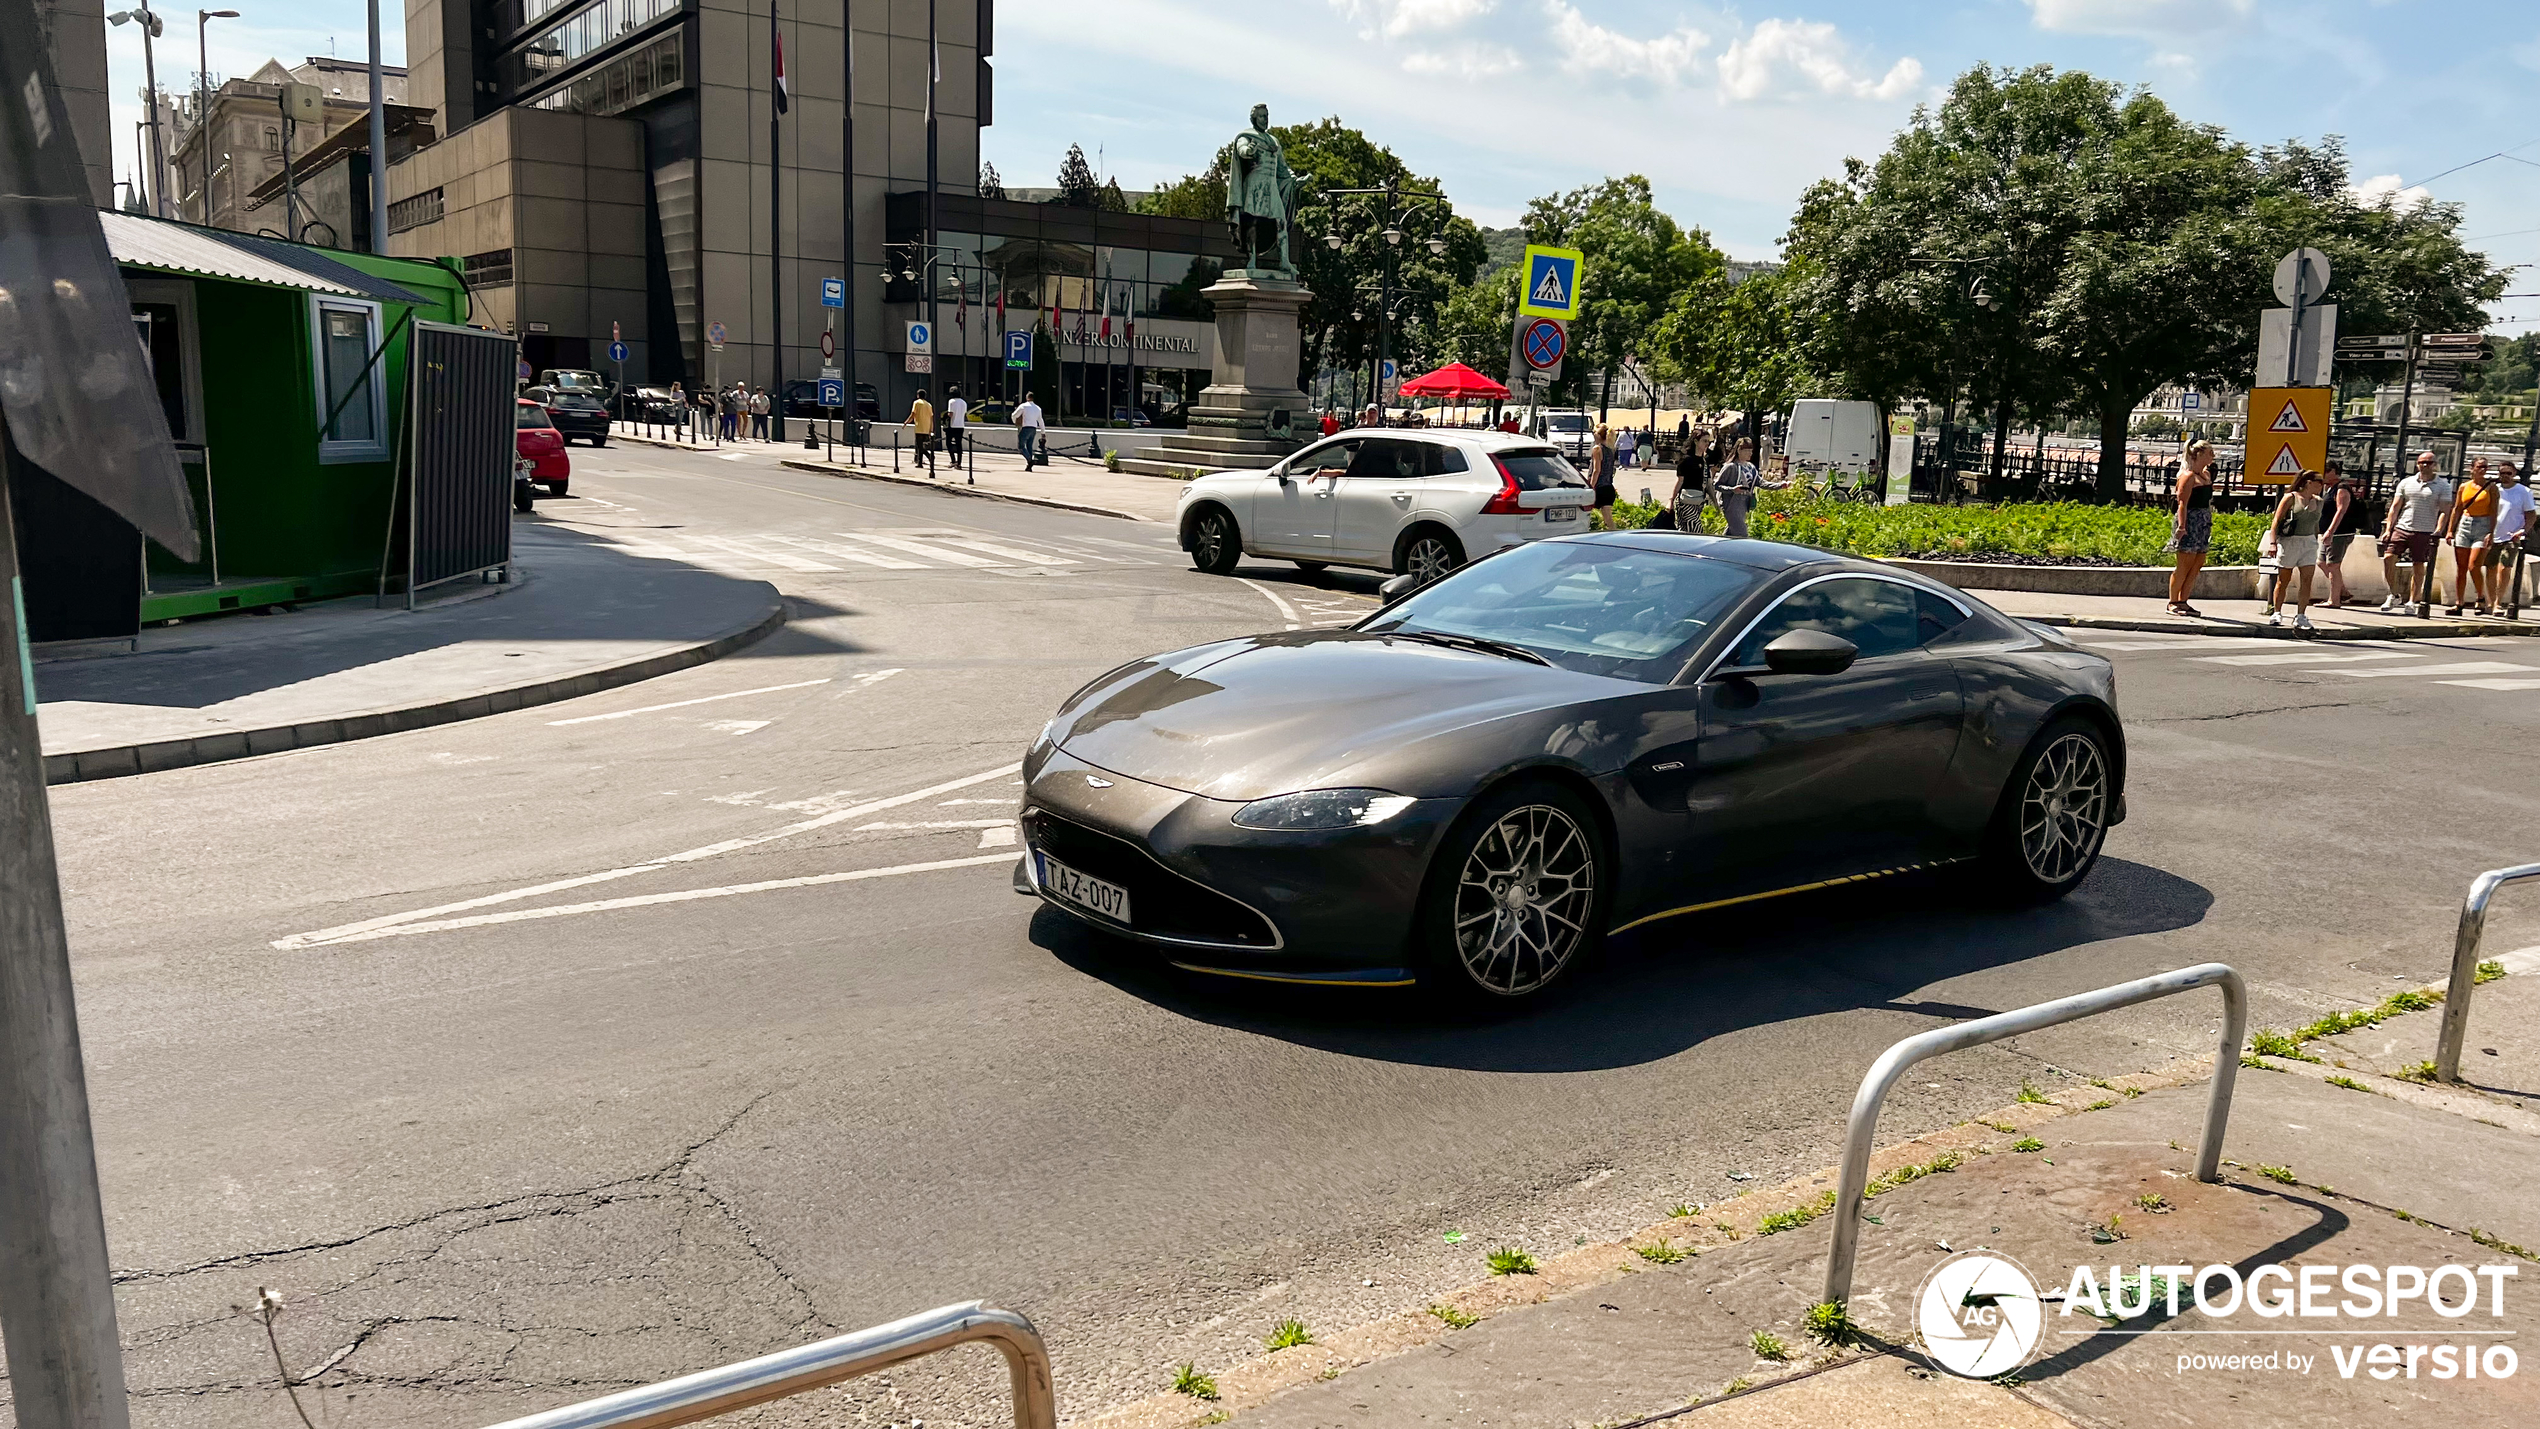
{"points": [[2294, 538], [1601, 472], [2192, 533]]}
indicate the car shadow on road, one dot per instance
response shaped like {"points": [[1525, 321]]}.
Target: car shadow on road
{"points": [[1684, 982]]}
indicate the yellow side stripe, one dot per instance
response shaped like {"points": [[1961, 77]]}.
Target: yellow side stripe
{"points": [[1298, 981], [1779, 892]]}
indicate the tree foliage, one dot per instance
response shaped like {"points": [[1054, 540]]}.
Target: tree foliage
{"points": [[1079, 188], [1635, 261], [990, 186], [1747, 345]]}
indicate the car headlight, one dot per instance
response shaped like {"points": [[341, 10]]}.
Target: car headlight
{"points": [[1323, 809]]}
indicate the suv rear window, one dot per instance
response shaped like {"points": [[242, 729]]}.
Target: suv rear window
{"points": [[1540, 468], [582, 401], [528, 415]]}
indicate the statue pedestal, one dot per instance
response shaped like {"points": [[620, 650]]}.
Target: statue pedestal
{"points": [[1252, 413]]}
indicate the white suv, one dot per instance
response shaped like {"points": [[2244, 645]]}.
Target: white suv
{"points": [[1416, 501]]}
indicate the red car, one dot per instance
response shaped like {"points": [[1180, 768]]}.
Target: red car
{"points": [[537, 439]]}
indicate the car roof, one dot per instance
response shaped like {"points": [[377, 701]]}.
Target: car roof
{"points": [[1761, 555], [1487, 438]]}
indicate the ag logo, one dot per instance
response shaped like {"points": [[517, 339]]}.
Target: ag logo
{"points": [[1979, 1314]]}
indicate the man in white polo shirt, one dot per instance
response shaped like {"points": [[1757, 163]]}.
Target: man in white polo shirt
{"points": [[2417, 507]]}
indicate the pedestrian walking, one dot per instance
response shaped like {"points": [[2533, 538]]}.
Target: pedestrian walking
{"points": [[759, 407], [2192, 527], [1601, 476], [732, 401], [1028, 433], [2514, 510], [921, 425], [956, 424], [1693, 481], [2341, 515], [2417, 508], [1330, 424], [1684, 428], [678, 401], [2293, 537], [1738, 482], [1626, 449], [2471, 526]]}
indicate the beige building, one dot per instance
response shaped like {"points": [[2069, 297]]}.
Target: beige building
{"points": [[75, 33], [221, 164], [607, 164]]}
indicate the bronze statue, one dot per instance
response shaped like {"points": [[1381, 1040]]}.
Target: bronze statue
{"points": [[1261, 195]]}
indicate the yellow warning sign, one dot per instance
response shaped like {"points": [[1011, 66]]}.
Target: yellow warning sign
{"points": [[2288, 433]]}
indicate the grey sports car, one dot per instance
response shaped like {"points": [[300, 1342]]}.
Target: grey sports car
{"points": [[1475, 786]]}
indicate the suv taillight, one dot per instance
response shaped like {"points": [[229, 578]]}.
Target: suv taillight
{"points": [[1505, 503]]}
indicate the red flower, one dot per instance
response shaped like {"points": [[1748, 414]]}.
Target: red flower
{"points": [[1821, 521], [1781, 515]]}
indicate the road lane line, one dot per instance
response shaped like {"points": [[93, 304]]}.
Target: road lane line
{"points": [[938, 824], [2466, 667], [956, 558], [2183, 642], [1287, 612], [2306, 658], [2533, 684], [647, 900], [702, 700], [348, 931]]}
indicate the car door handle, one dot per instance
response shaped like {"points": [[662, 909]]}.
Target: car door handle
{"points": [[1402, 498]]}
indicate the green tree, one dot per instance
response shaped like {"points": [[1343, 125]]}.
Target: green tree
{"points": [[1744, 346], [990, 186], [1476, 324], [1635, 261], [1079, 188]]}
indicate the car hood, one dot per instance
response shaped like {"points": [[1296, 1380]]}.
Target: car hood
{"points": [[1272, 714]]}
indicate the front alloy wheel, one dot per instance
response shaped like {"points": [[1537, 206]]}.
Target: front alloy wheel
{"points": [[1215, 547], [2054, 815], [1525, 899], [1429, 556]]}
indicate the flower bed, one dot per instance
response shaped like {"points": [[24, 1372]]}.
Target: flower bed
{"points": [[2037, 533]]}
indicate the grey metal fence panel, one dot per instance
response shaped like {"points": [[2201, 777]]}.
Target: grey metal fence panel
{"points": [[461, 436]]}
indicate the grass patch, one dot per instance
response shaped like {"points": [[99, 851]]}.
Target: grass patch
{"points": [[1214, 1416], [1795, 1217], [2488, 972], [2062, 530], [2283, 1174], [2350, 1084], [1191, 1381], [2389, 1007], [2268, 1042], [2492, 1243], [1768, 1346], [1902, 1175], [2003, 1127], [2031, 1095], [1455, 1319], [1739, 1385], [2101, 1105], [2154, 1202], [1287, 1335], [2028, 1143], [1682, 1209], [1509, 1260], [1829, 1323], [2109, 1231], [1660, 1254], [2417, 1072]]}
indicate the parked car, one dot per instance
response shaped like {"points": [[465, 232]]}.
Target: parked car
{"points": [[1473, 788], [1122, 415], [996, 411], [1416, 502], [576, 413], [652, 404], [536, 440], [575, 379]]}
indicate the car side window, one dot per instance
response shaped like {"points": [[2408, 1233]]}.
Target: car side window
{"points": [[1439, 459], [1934, 617], [1878, 617], [1387, 460], [1329, 460]]}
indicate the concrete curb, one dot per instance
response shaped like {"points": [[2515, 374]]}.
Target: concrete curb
{"points": [[962, 489], [79, 766], [2423, 630]]}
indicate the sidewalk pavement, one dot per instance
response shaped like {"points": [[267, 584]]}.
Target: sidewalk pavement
{"points": [[1065, 483], [2242, 618], [579, 617], [1703, 1318]]}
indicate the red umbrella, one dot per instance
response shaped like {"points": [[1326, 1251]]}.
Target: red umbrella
{"points": [[1453, 380]]}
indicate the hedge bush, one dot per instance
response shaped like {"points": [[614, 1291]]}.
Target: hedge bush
{"points": [[2047, 530]]}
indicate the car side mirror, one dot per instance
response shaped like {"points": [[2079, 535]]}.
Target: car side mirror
{"points": [[1810, 652], [1398, 587]]}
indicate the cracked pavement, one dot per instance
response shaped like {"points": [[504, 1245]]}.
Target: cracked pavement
{"points": [[499, 1168]]}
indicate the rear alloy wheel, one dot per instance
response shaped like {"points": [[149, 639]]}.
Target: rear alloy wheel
{"points": [[2054, 814], [1525, 903], [1215, 546], [1429, 555]]}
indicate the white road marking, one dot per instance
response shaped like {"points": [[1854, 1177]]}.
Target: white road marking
{"points": [[736, 726], [2183, 642], [938, 824], [777, 559], [1029, 558], [2466, 667], [2306, 658], [835, 551], [958, 558], [2521, 960], [2493, 684], [689, 895], [381, 927], [1002, 836], [1287, 612], [948, 803], [701, 700]]}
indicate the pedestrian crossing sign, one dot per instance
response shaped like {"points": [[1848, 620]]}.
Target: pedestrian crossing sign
{"points": [[2288, 434], [1552, 283]]}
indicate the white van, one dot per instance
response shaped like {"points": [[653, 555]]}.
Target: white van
{"points": [[1572, 432], [1828, 435]]}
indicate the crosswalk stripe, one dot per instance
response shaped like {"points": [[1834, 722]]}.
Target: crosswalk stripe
{"points": [[2533, 684], [1031, 558], [958, 558], [2466, 667], [774, 558], [2305, 658], [2184, 642], [835, 551]]}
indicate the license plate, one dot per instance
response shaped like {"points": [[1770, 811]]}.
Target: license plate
{"points": [[1561, 513], [1084, 890]]}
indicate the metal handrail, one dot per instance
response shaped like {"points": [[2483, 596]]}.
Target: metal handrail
{"points": [[2447, 1053], [1893, 1062], [708, 1393]]}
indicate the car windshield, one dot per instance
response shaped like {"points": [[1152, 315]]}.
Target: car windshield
{"points": [[1566, 422], [1597, 609], [580, 401], [528, 415], [1539, 468]]}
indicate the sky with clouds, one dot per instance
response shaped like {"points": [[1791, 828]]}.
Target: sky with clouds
{"points": [[1731, 112]]}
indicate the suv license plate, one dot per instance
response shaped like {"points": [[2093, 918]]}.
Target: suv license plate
{"points": [[1560, 513], [1084, 890]]}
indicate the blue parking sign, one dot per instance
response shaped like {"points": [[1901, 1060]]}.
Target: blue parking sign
{"points": [[1018, 349], [833, 292], [833, 392]]}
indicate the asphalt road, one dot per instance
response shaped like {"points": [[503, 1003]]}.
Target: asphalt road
{"points": [[592, 1044]]}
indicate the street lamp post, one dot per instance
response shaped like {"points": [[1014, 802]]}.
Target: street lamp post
{"points": [[1399, 204], [203, 98], [151, 30]]}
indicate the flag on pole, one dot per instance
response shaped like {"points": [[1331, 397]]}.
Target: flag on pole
{"points": [[784, 92], [961, 314]]}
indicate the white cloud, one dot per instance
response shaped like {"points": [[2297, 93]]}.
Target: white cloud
{"points": [[1396, 18], [2384, 189], [1780, 55], [2141, 19], [1589, 48], [1465, 61]]}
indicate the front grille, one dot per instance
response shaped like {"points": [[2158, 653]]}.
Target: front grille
{"points": [[1162, 903]]}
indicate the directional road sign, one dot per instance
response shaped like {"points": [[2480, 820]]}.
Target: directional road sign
{"points": [[921, 339], [1552, 283], [833, 292], [833, 392], [2288, 433], [2454, 339], [1018, 349], [617, 352]]}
